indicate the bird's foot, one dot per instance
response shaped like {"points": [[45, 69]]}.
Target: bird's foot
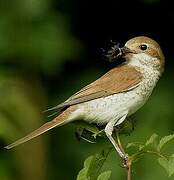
{"points": [[125, 161], [99, 133]]}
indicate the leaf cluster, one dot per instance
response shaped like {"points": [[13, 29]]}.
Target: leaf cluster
{"points": [[93, 165], [154, 145]]}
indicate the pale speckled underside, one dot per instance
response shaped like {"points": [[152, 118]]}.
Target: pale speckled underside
{"points": [[113, 107]]}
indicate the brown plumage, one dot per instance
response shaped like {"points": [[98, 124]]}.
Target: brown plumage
{"points": [[58, 121], [119, 79]]}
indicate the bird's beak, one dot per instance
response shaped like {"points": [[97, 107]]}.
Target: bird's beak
{"points": [[124, 51]]}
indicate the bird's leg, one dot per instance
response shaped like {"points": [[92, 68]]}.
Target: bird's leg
{"points": [[126, 157], [117, 145], [108, 131]]}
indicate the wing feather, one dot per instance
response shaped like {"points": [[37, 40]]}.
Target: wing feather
{"points": [[119, 79]]}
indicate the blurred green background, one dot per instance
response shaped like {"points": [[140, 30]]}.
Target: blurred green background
{"points": [[50, 49]]}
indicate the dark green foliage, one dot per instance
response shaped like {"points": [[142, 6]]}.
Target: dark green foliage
{"points": [[93, 167], [48, 51], [153, 146]]}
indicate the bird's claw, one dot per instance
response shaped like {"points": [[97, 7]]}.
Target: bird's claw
{"points": [[125, 161]]}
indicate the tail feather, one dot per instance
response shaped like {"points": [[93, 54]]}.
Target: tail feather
{"points": [[37, 132], [59, 107], [58, 121]]}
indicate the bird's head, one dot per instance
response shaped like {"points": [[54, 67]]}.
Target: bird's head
{"points": [[143, 52]]}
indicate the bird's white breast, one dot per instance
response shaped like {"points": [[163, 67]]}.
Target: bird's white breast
{"points": [[103, 110]]}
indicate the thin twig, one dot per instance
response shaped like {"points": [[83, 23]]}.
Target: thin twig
{"points": [[127, 161], [119, 142], [156, 153], [129, 164]]}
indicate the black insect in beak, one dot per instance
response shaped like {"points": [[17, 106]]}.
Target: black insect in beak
{"points": [[116, 52]]}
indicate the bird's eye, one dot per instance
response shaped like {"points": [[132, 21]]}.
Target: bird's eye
{"points": [[143, 47]]}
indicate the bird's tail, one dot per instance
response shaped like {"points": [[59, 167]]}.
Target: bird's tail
{"points": [[58, 121]]}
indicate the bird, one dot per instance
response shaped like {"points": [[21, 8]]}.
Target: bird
{"points": [[116, 95]]}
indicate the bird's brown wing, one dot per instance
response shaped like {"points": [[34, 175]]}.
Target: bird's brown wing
{"points": [[117, 80], [120, 79]]}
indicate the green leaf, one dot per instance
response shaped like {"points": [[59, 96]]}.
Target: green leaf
{"points": [[164, 141], [134, 144], [97, 163], [104, 176], [152, 140], [167, 164], [93, 166], [143, 148], [84, 172]]}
